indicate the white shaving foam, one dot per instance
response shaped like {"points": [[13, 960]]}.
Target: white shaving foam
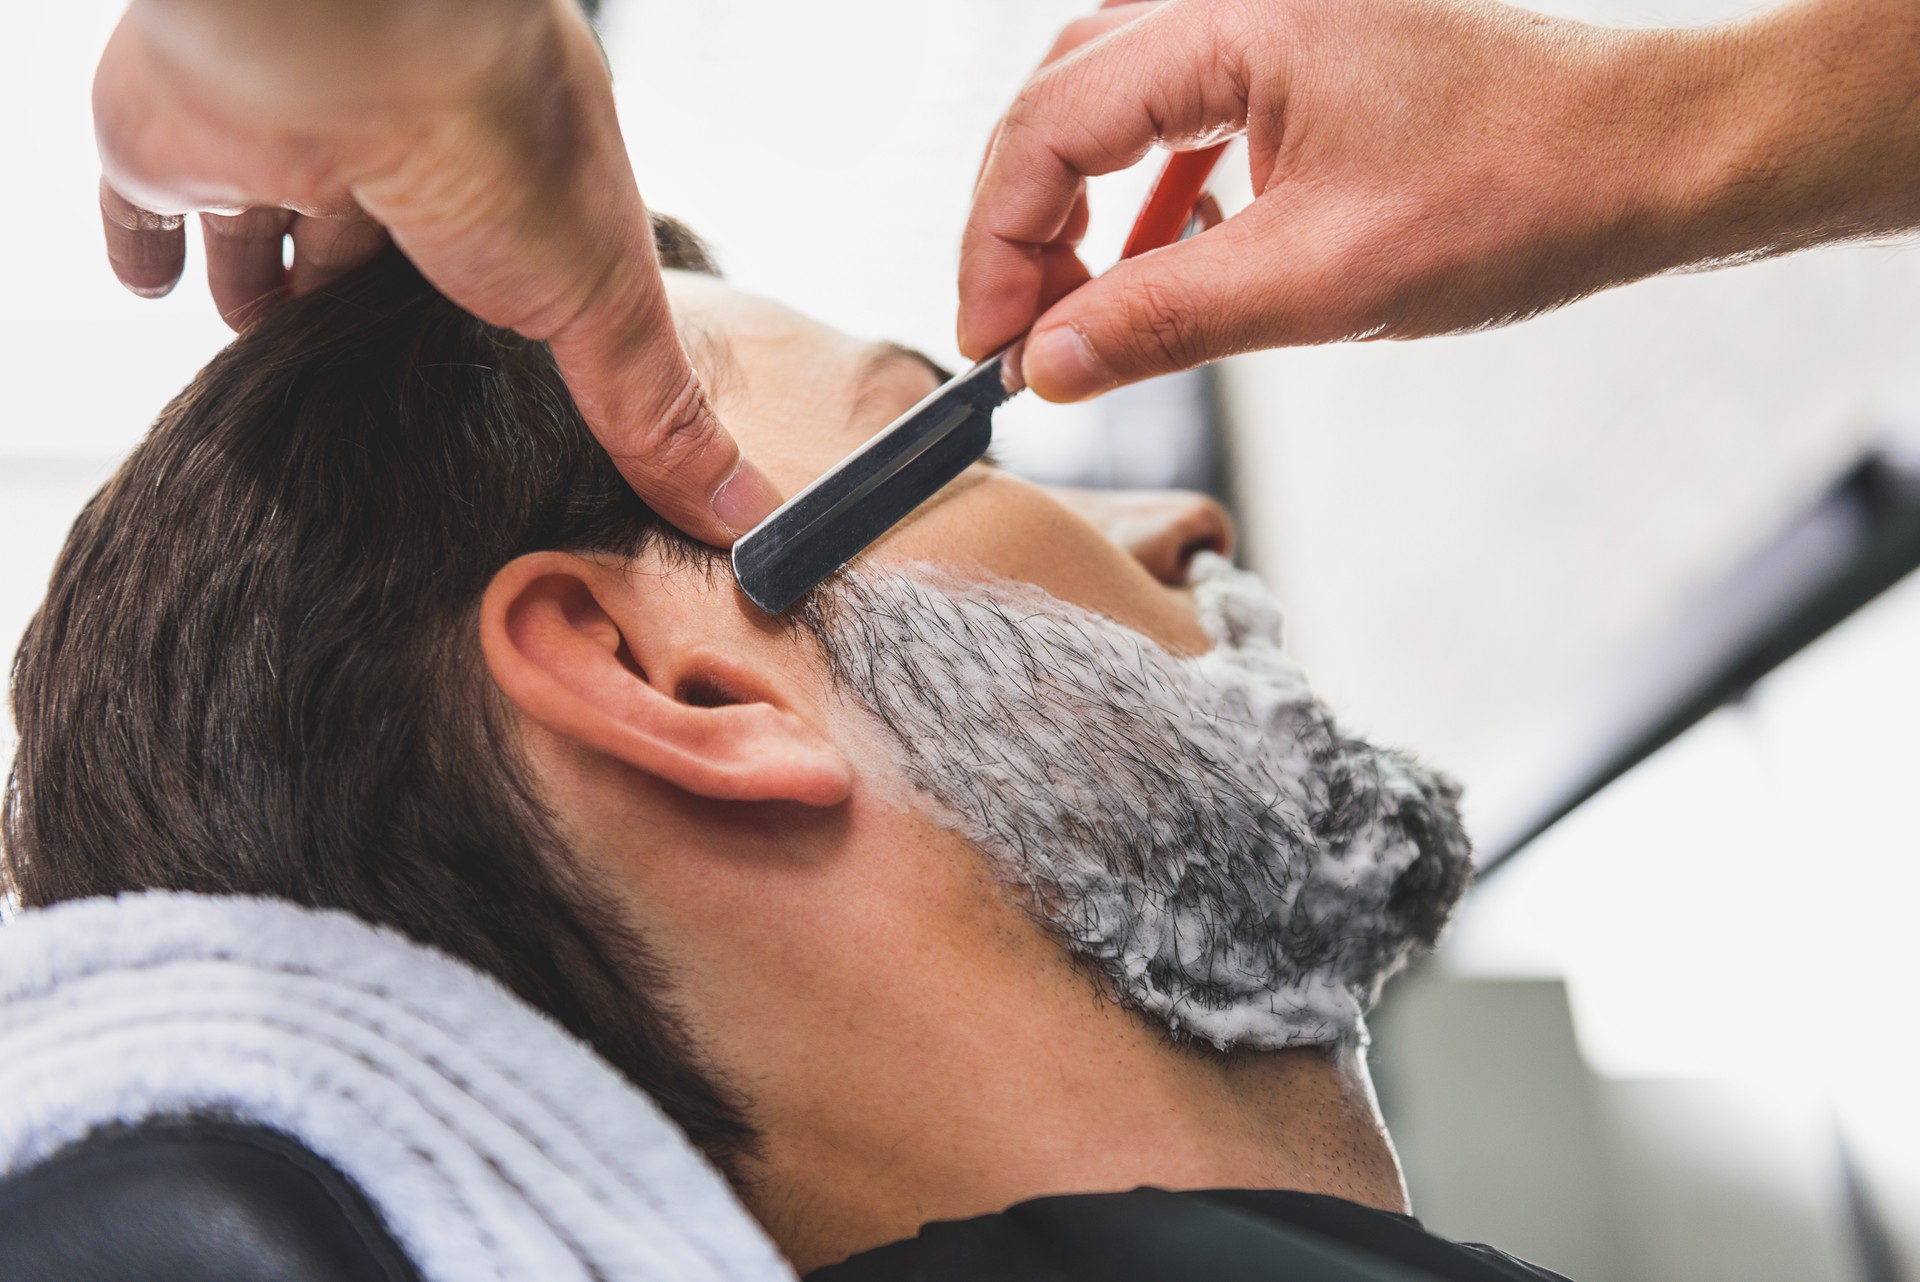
{"points": [[1194, 827]]}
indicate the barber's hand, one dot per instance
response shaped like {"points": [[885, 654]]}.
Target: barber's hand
{"points": [[479, 135], [1421, 166]]}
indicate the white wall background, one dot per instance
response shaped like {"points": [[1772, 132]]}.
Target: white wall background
{"points": [[1466, 527]]}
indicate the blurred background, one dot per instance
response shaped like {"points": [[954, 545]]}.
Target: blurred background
{"points": [[1673, 1037]]}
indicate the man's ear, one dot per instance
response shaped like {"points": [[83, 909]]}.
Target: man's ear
{"points": [[635, 669]]}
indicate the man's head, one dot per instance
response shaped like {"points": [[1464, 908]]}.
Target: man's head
{"points": [[256, 669], [369, 622]]}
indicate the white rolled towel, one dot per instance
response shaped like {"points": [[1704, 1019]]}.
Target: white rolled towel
{"points": [[494, 1144]]}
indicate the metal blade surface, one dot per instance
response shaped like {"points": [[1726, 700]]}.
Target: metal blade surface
{"points": [[830, 522]]}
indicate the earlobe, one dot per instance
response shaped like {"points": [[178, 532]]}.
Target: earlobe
{"points": [[596, 656]]}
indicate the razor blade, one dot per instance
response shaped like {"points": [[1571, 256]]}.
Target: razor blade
{"points": [[830, 522]]}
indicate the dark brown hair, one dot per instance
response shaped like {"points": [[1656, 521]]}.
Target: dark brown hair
{"points": [[257, 669]]}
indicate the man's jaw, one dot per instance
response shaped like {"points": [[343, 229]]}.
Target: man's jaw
{"points": [[1196, 829]]}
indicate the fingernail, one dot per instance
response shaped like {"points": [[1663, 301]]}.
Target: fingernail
{"points": [[744, 499], [1010, 376], [1061, 365]]}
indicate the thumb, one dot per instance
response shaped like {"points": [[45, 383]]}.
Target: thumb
{"points": [[644, 401], [1167, 310]]}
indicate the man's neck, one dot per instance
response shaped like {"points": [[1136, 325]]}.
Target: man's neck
{"points": [[912, 1046], [1022, 1118]]}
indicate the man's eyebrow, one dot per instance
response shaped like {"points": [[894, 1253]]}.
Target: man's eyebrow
{"points": [[882, 355], [710, 351], [887, 356], [882, 359]]}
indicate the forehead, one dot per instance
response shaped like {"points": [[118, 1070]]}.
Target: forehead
{"points": [[795, 391], [702, 302], [748, 347]]}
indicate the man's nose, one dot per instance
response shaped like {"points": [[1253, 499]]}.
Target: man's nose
{"points": [[1163, 529]]}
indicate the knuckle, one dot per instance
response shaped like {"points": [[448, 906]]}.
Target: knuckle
{"points": [[1049, 97], [1025, 113], [1050, 128], [1165, 332], [683, 433], [1096, 146]]}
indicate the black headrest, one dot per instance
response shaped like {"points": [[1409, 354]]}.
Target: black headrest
{"points": [[190, 1200]]}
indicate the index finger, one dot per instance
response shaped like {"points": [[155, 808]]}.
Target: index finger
{"points": [[1111, 16], [1163, 77]]}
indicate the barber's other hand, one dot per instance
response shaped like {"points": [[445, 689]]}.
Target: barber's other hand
{"points": [[480, 135], [1421, 166]]}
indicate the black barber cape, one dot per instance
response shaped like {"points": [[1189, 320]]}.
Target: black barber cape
{"points": [[1150, 1235]]}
